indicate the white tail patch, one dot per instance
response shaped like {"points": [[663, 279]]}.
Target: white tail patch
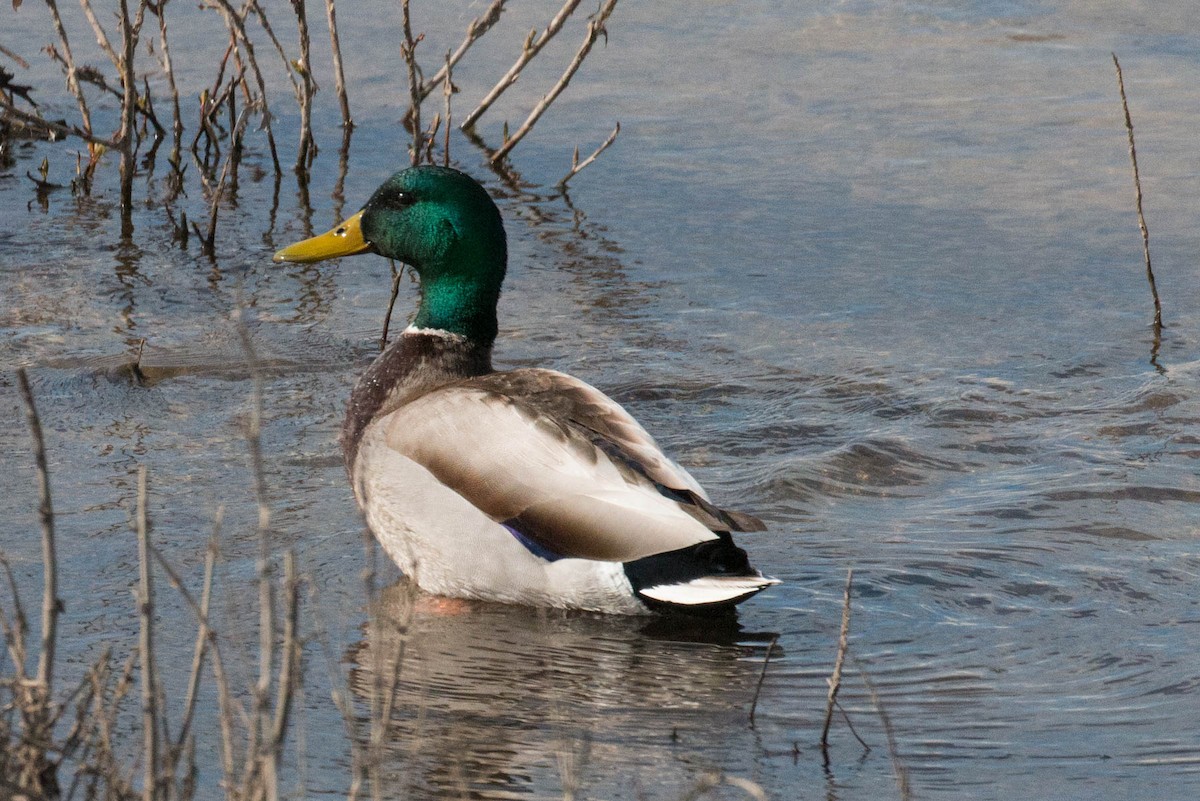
{"points": [[709, 590]]}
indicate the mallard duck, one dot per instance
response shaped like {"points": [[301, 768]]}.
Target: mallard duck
{"points": [[522, 486]]}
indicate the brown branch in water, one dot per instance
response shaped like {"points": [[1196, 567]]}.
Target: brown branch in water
{"points": [[387, 319], [430, 137], [130, 30], [339, 77], [209, 237], [237, 27], [101, 36], [51, 605], [408, 52], [532, 46], [17, 629], [22, 63], [762, 676], [339, 186], [447, 91], [183, 740], [252, 5], [307, 150], [72, 80], [835, 680], [1137, 187], [594, 29], [288, 669], [52, 129], [478, 27], [578, 166], [145, 598], [165, 59], [225, 702], [898, 766]]}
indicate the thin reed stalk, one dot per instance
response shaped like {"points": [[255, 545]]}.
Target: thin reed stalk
{"points": [[898, 768], [835, 680], [51, 604], [533, 45], [164, 49], [478, 27], [307, 150], [408, 49], [595, 28], [339, 76], [1137, 189], [578, 166], [72, 72], [145, 597], [762, 677], [237, 27]]}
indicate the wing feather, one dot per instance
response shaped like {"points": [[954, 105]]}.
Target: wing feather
{"points": [[558, 460]]}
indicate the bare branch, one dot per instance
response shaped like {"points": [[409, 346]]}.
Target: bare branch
{"points": [[835, 680], [478, 27], [533, 45], [146, 648], [577, 166], [50, 601], [339, 76], [1137, 187], [594, 29]]}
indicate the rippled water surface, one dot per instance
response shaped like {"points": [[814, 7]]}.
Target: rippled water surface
{"points": [[869, 269]]}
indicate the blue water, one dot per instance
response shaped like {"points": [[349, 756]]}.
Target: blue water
{"points": [[871, 271]]}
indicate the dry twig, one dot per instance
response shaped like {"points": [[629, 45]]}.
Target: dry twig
{"points": [[533, 45], [1137, 188], [478, 27], [577, 166], [835, 680], [762, 676], [339, 77], [898, 766], [594, 29], [408, 50], [145, 598], [51, 604]]}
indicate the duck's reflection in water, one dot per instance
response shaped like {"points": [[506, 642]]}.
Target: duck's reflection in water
{"points": [[490, 701]]}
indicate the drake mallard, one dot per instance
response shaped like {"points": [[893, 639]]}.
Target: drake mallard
{"points": [[521, 486]]}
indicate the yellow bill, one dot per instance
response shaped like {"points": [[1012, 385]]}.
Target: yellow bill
{"points": [[344, 240]]}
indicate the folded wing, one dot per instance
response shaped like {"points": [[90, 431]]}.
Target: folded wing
{"points": [[560, 462]]}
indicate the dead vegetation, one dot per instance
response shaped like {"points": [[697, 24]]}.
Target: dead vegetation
{"points": [[74, 742], [206, 145]]}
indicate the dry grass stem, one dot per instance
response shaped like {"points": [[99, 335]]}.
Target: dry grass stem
{"points": [[533, 45], [762, 676], [595, 28], [101, 36], [397, 273], [478, 27], [307, 150], [447, 92], [51, 605], [164, 50], [578, 166], [150, 758], [408, 52], [339, 77], [22, 63], [898, 767], [835, 680], [1137, 189], [236, 24], [72, 72]]}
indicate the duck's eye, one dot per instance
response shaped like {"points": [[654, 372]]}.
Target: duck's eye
{"points": [[402, 200]]}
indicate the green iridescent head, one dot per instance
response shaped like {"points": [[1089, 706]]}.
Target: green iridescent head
{"points": [[444, 225]]}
